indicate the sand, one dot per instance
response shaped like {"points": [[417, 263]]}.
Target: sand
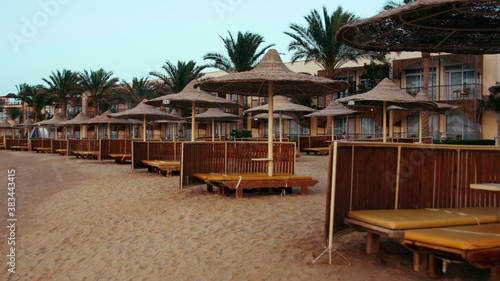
{"points": [[89, 220]]}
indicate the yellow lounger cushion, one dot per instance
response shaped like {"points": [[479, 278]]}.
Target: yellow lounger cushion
{"points": [[161, 162], [470, 237], [426, 218], [248, 176]]}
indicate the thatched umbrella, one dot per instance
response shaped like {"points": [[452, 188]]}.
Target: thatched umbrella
{"points": [[175, 113], [333, 109], [275, 116], [78, 120], [144, 112], [272, 77], [105, 119], [28, 123], [216, 113], [54, 121], [454, 26], [282, 105], [386, 93], [192, 97], [5, 124]]}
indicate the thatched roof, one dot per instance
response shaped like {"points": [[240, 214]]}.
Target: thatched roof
{"points": [[454, 26], [388, 92], [217, 114], [256, 82], [143, 110], [79, 119], [281, 103], [189, 94], [105, 119], [276, 116], [333, 109], [28, 123], [5, 124], [55, 120]]}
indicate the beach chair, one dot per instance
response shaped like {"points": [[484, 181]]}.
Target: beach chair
{"points": [[163, 167], [239, 181], [477, 244], [121, 158]]}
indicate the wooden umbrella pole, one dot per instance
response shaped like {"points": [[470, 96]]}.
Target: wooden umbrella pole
{"points": [[281, 125], [213, 129], [193, 119], [109, 131], [270, 164], [384, 122], [144, 124]]}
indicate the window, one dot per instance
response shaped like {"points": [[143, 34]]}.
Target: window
{"points": [[369, 128], [460, 80], [414, 81], [412, 125], [434, 126], [459, 126]]}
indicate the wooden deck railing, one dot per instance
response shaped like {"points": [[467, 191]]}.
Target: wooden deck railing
{"points": [[370, 176], [154, 150], [233, 157]]}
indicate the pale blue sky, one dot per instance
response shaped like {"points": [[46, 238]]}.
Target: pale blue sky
{"points": [[132, 38]]}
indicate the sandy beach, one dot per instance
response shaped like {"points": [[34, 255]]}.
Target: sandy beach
{"points": [[90, 220]]}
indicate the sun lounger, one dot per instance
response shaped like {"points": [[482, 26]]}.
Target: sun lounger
{"points": [[477, 244], [121, 158], [62, 151], [42, 149], [317, 150], [239, 181], [393, 223], [164, 167], [86, 154], [19, 147]]}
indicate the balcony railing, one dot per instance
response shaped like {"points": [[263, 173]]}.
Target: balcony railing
{"points": [[450, 92]]}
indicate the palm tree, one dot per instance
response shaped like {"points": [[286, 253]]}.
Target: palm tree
{"points": [[35, 97], [178, 76], [392, 4], [242, 54], [138, 90], [99, 86], [316, 41], [63, 86]]}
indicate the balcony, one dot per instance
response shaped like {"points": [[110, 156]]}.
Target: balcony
{"points": [[450, 92]]}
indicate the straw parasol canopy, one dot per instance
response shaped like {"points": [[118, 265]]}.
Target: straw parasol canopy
{"points": [[105, 119], [144, 112], [215, 113], [281, 104], [192, 97], [386, 93], [454, 26], [333, 109], [52, 122], [275, 116], [272, 77], [78, 120]]}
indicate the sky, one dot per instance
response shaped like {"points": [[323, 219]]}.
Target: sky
{"points": [[133, 38]]}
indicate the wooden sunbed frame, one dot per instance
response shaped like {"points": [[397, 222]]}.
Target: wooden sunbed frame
{"points": [[19, 147], [42, 149], [163, 167], [238, 182], [481, 258], [121, 158], [62, 151], [421, 251], [317, 150], [86, 154]]}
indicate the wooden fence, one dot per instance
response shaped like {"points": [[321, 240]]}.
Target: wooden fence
{"points": [[16, 142], [154, 150], [114, 146], [370, 176], [83, 145], [59, 144], [233, 157]]}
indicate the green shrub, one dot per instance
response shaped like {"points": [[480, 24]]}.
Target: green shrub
{"points": [[466, 142]]}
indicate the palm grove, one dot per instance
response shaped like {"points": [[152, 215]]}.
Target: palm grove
{"points": [[314, 41]]}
